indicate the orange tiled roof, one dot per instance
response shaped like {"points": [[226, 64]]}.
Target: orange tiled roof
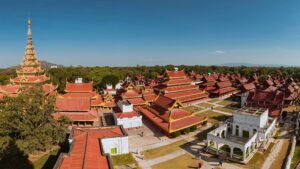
{"points": [[30, 79], [73, 104], [175, 74], [137, 101], [77, 116], [79, 87], [86, 152]]}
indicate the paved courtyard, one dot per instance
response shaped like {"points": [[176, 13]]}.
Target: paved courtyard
{"points": [[153, 138]]}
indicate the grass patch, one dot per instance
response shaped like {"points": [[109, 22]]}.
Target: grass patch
{"points": [[206, 105], [47, 161], [124, 160], [182, 162], [225, 103], [213, 117], [225, 109], [192, 109], [290, 108], [296, 156], [213, 100], [164, 150]]}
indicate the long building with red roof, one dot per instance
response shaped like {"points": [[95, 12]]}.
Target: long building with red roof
{"points": [[91, 148], [177, 85], [80, 104], [167, 115]]}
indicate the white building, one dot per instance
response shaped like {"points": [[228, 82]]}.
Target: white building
{"points": [[239, 137], [125, 115], [115, 145], [109, 89]]}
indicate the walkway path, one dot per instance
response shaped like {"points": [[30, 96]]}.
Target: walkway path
{"points": [[278, 145], [166, 157], [192, 149]]}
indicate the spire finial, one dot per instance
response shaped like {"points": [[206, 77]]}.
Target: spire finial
{"points": [[29, 26]]}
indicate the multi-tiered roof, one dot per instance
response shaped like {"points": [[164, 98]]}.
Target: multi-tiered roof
{"points": [[30, 71], [166, 114], [177, 85]]}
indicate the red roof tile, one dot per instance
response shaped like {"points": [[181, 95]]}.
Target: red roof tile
{"points": [[175, 74], [86, 152], [73, 104], [248, 86], [79, 87], [137, 101], [77, 116]]}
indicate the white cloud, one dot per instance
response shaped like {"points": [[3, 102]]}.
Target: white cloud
{"points": [[219, 52]]}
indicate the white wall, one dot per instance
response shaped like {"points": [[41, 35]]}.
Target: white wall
{"points": [[244, 97], [130, 122], [125, 107], [121, 143], [259, 121]]}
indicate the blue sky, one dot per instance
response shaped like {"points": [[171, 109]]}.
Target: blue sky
{"points": [[150, 32]]}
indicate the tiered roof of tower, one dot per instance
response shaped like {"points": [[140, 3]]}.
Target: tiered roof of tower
{"points": [[177, 85], [28, 73], [30, 70]]}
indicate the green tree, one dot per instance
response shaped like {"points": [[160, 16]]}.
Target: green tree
{"points": [[26, 121], [109, 79]]}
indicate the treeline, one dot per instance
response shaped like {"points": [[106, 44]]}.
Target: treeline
{"points": [[102, 75]]}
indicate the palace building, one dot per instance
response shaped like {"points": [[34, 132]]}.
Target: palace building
{"points": [[29, 73], [80, 104], [177, 85], [223, 88], [167, 115]]}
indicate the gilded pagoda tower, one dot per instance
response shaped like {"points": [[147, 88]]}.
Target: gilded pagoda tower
{"points": [[30, 71]]}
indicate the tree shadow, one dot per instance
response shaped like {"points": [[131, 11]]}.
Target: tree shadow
{"points": [[64, 148], [14, 158], [221, 117]]}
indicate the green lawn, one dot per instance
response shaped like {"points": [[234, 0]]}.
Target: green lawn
{"points": [[225, 109], [47, 161], [225, 102], [192, 109], [182, 162], [296, 156], [213, 117], [164, 150], [213, 100], [124, 160], [206, 105]]}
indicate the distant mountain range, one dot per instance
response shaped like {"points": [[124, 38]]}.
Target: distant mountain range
{"points": [[255, 65], [44, 64], [48, 65]]}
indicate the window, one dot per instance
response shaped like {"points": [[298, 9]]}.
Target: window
{"points": [[237, 130], [113, 151]]}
